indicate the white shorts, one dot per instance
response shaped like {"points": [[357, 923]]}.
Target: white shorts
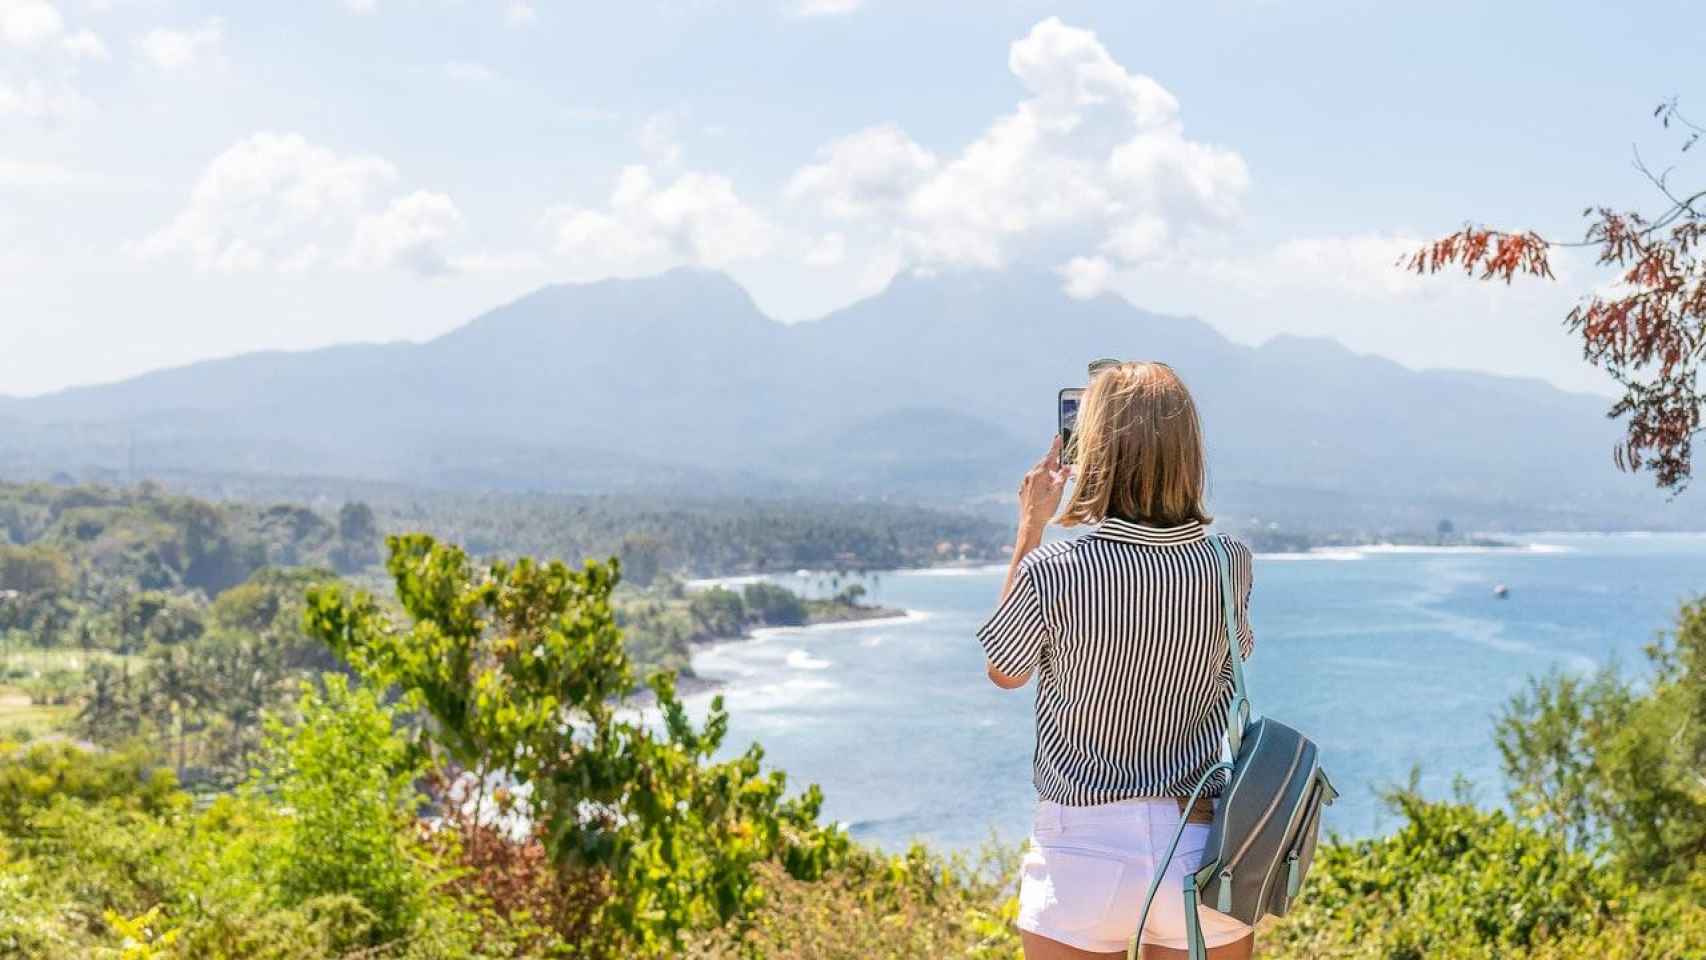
{"points": [[1088, 868]]}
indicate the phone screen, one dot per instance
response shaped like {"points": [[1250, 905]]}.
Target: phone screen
{"points": [[1070, 398]]}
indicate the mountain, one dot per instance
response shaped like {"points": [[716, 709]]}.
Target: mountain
{"points": [[938, 388]]}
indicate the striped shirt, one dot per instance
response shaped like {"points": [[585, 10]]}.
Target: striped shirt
{"points": [[1125, 630]]}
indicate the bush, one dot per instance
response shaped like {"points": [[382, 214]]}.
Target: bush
{"points": [[774, 605], [881, 907], [521, 670], [347, 779], [718, 612], [33, 778], [1452, 881]]}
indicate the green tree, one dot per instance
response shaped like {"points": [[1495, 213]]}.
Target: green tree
{"points": [[1616, 762], [34, 569], [348, 779], [774, 604], [718, 612], [642, 558], [521, 670], [358, 538]]}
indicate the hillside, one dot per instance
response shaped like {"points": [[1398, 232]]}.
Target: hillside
{"points": [[938, 388]]}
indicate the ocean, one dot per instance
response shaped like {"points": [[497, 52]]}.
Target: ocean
{"points": [[1394, 659]]}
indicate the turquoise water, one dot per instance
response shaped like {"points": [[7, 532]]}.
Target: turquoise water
{"points": [[1391, 659]]}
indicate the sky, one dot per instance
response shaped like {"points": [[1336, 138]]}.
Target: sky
{"points": [[183, 180]]}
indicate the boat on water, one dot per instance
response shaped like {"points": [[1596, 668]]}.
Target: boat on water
{"points": [[1501, 591]]}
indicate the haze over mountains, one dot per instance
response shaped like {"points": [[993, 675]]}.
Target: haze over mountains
{"points": [[937, 389]]}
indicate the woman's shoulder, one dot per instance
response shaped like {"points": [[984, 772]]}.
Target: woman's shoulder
{"points": [[1237, 547], [1242, 557], [1048, 554]]}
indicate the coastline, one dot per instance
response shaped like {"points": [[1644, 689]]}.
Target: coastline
{"points": [[696, 684], [686, 686]]}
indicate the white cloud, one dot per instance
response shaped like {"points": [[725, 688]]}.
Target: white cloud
{"points": [[410, 233], [519, 14], [178, 49], [863, 176], [823, 8], [1086, 277], [826, 251], [86, 45], [516, 13], [697, 219], [277, 201], [26, 23], [1363, 266], [1092, 166]]}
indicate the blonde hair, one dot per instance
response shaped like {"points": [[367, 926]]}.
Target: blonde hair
{"points": [[1139, 450]]}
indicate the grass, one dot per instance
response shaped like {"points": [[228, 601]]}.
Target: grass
{"points": [[22, 720], [20, 663], [20, 670]]}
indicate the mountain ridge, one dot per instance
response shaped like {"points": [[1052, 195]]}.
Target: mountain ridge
{"points": [[572, 383]]}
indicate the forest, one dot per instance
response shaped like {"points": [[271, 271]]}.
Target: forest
{"points": [[230, 730]]}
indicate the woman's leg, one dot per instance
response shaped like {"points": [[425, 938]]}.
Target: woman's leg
{"points": [[1236, 950], [1042, 948]]}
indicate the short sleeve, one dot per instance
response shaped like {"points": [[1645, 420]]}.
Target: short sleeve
{"points": [[1243, 580], [1013, 636]]}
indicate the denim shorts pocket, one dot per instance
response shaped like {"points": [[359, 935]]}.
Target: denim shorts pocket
{"points": [[1069, 889]]}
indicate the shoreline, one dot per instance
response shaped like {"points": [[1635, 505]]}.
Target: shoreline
{"points": [[1349, 551], [696, 684]]}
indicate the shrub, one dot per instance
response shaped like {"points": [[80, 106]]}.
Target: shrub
{"points": [[774, 605], [346, 779], [33, 778], [521, 670], [1455, 881]]}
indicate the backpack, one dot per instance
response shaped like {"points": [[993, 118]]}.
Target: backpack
{"points": [[1268, 818]]}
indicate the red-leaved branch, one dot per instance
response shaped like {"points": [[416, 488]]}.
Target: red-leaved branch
{"points": [[1648, 331]]}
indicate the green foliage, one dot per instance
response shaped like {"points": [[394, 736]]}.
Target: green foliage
{"points": [[158, 618], [348, 780], [142, 538], [142, 936], [695, 536], [521, 669], [882, 907], [34, 569], [358, 538], [1452, 881], [774, 604], [101, 856], [718, 612], [1603, 860], [32, 778], [642, 558], [205, 694], [1615, 763]]}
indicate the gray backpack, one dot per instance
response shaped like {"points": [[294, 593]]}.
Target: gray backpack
{"points": [[1267, 819]]}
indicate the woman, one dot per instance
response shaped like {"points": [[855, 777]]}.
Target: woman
{"points": [[1124, 629]]}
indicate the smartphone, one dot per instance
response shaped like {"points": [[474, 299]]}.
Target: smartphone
{"points": [[1070, 398]]}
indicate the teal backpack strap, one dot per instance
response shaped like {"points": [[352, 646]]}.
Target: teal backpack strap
{"points": [[1238, 711], [1161, 869]]}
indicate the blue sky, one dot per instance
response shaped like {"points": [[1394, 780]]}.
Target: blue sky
{"points": [[181, 180]]}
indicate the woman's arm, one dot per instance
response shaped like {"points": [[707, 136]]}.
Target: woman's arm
{"points": [[1039, 500]]}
